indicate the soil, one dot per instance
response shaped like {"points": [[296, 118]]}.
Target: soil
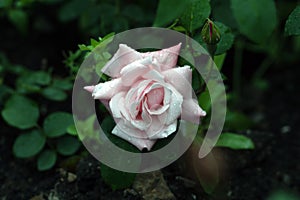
{"points": [[248, 175]]}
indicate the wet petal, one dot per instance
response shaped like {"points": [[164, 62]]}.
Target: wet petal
{"points": [[134, 97], [140, 142], [143, 121], [167, 58], [155, 97], [191, 111], [114, 104], [130, 73], [89, 88], [174, 110], [158, 131], [154, 75], [124, 56], [108, 89], [157, 110], [180, 78]]}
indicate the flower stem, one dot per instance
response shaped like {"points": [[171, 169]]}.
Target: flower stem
{"points": [[211, 51], [237, 68]]}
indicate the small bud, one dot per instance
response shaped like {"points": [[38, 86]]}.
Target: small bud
{"points": [[210, 33]]}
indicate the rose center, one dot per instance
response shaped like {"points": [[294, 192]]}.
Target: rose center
{"points": [[155, 98]]}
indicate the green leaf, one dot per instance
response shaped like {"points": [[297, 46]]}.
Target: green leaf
{"points": [[56, 124], [204, 100], [91, 17], [256, 19], [86, 127], [63, 84], [196, 83], [72, 130], [234, 141], [283, 195], [292, 25], [40, 78], [134, 12], [116, 179], [108, 38], [20, 112], [5, 3], [68, 145], [195, 14], [227, 39], [54, 94], [29, 144], [108, 124], [31, 81], [94, 42], [72, 9], [219, 60], [119, 23], [237, 121], [46, 160], [168, 11], [24, 3], [5, 92], [221, 12], [19, 18]]}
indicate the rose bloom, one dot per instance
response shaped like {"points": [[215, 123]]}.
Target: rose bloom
{"points": [[147, 94]]}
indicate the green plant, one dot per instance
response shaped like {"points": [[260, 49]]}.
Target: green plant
{"points": [[43, 132]]}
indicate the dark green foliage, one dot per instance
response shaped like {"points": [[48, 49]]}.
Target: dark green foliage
{"points": [[20, 112], [292, 26]]}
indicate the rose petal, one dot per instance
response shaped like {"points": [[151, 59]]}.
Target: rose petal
{"points": [[155, 97], [140, 143], [143, 123], [159, 131], [124, 56], [180, 78], [134, 97], [130, 73], [108, 89], [158, 110], [154, 75], [89, 88], [114, 104], [167, 58], [191, 111], [174, 110]]}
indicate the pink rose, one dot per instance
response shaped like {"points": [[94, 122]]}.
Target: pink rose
{"points": [[147, 94]]}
